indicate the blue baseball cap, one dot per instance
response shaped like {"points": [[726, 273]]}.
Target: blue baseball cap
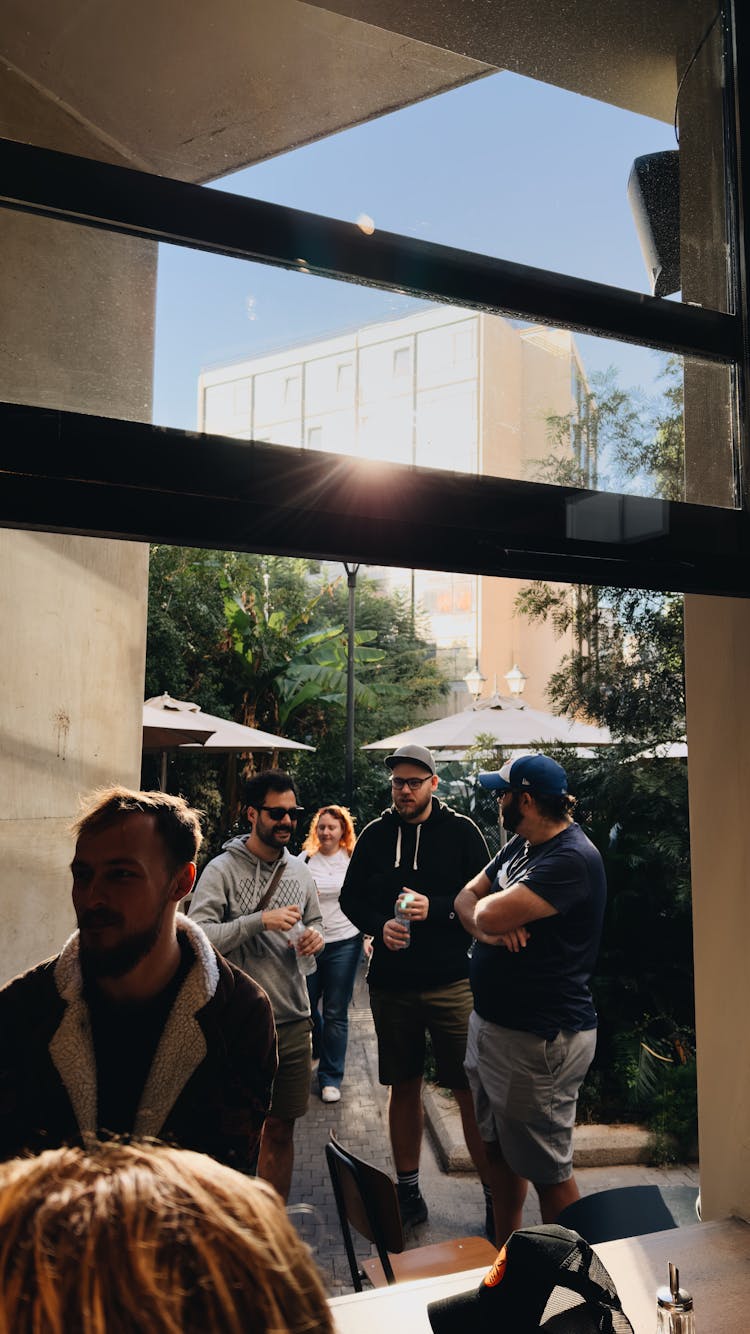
{"points": [[530, 773]]}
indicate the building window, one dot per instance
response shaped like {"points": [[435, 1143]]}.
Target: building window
{"points": [[315, 437], [401, 361], [462, 341], [292, 385], [242, 397], [344, 377]]}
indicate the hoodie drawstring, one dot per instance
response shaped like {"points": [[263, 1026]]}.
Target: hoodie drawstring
{"points": [[397, 862]]}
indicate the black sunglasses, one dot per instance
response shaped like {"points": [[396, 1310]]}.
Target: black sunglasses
{"points": [[278, 812]]}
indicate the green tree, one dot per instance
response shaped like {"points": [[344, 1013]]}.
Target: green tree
{"points": [[625, 670], [282, 667], [625, 667], [618, 439], [186, 626], [262, 640], [403, 685]]}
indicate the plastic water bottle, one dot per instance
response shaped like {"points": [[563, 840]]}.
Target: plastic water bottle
{"points": [[305, 962], [403, 901]]}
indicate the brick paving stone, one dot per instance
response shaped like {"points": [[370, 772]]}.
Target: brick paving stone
{"points": [[360, 1121]]}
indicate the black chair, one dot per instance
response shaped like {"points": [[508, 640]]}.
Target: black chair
{"points": [[366, 1200], [627, 1211]]}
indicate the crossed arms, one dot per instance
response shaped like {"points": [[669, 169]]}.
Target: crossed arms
{"points": [[501, 918]]}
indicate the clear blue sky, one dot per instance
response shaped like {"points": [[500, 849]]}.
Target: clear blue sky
{"points": [[505, 166]]}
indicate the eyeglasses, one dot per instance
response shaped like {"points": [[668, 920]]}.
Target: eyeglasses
{"points": [[278, 812], [413, 784]]}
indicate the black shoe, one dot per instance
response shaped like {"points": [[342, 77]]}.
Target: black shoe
{"points": [[412, 1207]]}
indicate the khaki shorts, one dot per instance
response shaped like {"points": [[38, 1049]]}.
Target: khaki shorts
{"points": [[291, 1087], [401, 1020], [525, 1091]]}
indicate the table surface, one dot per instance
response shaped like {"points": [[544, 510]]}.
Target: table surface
{"points": [[713, 1259]]}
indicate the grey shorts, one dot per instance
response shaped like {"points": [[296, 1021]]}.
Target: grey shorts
{"points": [[525, 1090]]}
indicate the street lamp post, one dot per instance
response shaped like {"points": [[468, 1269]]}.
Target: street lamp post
{"points": [[351, 578]]}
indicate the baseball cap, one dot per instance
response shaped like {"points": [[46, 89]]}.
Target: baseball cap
{"points": [[417, 755], [529, 773], [544, 1278]]}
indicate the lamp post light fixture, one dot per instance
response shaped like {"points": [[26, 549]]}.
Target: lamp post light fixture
{"points": [[516, 680], [474, 682]]}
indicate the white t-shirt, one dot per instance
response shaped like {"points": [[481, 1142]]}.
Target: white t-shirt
{"points": [[328, 874]]}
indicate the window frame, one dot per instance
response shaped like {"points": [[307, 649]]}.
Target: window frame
{"points": [[69, 472]]}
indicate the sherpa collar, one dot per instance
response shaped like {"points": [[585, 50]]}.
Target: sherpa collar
{"points": [[181, 1049]]}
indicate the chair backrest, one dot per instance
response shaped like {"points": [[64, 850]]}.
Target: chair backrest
{"points": [[626, 1211], [365, 1198]]}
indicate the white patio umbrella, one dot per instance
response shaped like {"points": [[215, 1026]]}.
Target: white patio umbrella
{"points": [[510, 723], [165, 731], [224, 735]]}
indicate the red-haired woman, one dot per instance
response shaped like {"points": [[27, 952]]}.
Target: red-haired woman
{"points": [[327, 850]]}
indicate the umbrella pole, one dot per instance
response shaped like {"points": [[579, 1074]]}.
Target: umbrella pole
{"points": [[163, 772]]}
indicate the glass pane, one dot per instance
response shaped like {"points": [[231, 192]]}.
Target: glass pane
{"points": [[259, 353], [513, 137], [303, 361]]}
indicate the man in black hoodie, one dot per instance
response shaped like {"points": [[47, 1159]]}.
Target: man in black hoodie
{"points": [[418, 976]]}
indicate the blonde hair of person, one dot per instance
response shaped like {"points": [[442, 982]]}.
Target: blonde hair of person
{"points": [[126, 1238], [344, 817]]}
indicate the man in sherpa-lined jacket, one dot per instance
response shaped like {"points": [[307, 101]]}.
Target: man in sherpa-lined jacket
{"points": [[138, 1027]]}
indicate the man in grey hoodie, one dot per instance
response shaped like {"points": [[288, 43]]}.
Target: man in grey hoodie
{"points": [[246, 900]]}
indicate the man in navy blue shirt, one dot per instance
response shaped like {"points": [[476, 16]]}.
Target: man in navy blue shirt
{"points": [[536, 914]]}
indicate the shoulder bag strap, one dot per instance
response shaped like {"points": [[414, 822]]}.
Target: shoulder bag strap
{"points": [[273, 882]]}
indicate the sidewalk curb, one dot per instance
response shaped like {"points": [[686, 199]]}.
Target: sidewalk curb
{"points": [[593, 1146]]}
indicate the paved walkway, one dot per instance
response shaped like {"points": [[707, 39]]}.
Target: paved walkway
{"points": [[455, 1201]]}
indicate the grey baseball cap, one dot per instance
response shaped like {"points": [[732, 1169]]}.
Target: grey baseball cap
{"points": [[415, 755]]}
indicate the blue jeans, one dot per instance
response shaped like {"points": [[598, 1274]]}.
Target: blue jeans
{"points": [[332, 983]]}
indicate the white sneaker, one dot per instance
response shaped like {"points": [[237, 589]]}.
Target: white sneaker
{"points": [[330, 1093]]}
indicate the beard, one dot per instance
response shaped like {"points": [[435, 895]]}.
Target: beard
{"points": [[268, 834], [412, 811], [511, 815], [115, 960]]}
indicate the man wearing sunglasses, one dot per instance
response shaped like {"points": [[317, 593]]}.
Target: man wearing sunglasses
{"points": [[418, 979], [246, 900]]}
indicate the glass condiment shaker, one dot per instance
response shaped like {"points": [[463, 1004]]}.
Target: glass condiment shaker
{"points": [[674, 1307]]}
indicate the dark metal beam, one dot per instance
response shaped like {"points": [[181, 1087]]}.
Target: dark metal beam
{"points": [[121, 199], [69, 472]]}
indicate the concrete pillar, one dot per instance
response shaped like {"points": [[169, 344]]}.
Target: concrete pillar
{"points": [[717, 652], [76, 332], [717, 645]]}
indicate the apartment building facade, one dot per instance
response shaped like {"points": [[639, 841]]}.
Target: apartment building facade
{"points": [[441, 388]]}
